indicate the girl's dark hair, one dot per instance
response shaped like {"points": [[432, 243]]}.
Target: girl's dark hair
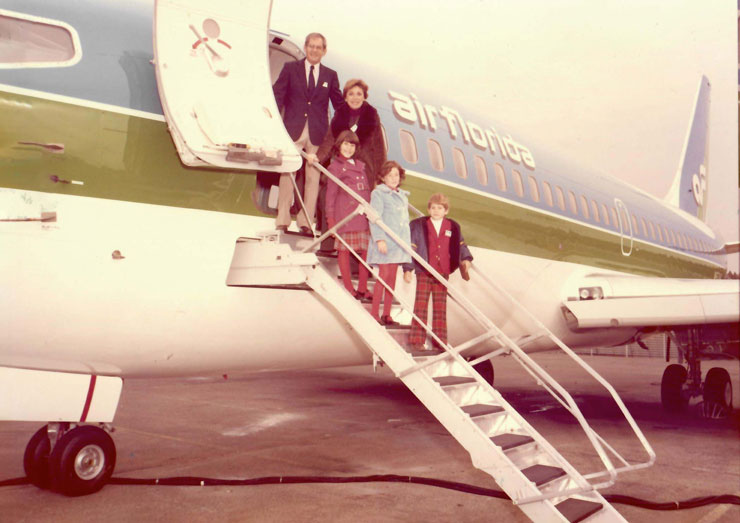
{"points": [[388, 167], [345, 136]]}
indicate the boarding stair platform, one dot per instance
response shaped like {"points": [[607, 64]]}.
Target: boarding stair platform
{"points": [[499, 440]]}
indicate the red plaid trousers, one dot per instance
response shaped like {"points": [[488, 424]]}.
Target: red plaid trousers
{"points": [[426, 284]]}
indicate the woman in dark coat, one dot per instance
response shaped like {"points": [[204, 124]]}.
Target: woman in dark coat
{"points": [[361, 118]]}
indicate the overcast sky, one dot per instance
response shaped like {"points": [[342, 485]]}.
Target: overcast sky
{"points": [[610, 83]]}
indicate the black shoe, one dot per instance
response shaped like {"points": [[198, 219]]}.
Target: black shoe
{"points": [[363, 296], [388, 321], [306, 231]]}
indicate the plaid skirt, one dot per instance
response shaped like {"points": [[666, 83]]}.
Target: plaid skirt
{"points": [[358, 240]]}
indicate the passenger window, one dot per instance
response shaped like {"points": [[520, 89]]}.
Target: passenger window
{"points": [[584, 207], [516, 176], [461, 168], [644, 227], [573, 202], [673, 237], [615, 220], [547, 191], [561, 197], [595, 209], [634, 225], [35, 42], [660, 233], [500, 177], [408, 146], [652, 229], [534, 189], [481, 172], [605, 214], [435, 155]]}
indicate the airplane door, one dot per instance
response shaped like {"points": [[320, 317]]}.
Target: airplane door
{"points": [[625, 227], [213, 76]]}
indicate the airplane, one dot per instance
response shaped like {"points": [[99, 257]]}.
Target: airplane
{"points": [[127, 184]]}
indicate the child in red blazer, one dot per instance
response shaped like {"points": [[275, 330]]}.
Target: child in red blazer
{"points": [[439, 241]]}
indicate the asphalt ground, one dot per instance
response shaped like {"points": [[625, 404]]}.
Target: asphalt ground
{"points": [[354, 422]]}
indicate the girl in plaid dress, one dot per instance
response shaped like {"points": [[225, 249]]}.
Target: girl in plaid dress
{"points": [[340, 204]]}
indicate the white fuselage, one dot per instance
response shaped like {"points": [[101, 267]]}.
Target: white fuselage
{"points": [[163, 307]]}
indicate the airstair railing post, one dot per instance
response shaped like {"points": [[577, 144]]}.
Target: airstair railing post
{"points": [[300, 199]]}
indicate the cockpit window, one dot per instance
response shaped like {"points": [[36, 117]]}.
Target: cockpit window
{"points": [[29, 41]]}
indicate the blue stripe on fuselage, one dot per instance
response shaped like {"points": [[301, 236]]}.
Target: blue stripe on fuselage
{"points": [[115, 69], [116, 39]]}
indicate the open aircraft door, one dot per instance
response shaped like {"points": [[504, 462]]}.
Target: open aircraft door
{"points": [[213, 77]]}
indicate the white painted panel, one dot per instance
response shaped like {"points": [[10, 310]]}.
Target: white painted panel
{"points": [[655, 311], [34, 395], [213, 77]]}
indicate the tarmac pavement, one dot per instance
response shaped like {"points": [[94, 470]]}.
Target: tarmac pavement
{"points": [[353, 422]]}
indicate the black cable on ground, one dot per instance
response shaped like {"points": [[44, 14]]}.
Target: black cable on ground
{"points": [[191, 481]]}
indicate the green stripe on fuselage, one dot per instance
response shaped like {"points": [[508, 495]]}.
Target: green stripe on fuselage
{"points": [[130, 158]]}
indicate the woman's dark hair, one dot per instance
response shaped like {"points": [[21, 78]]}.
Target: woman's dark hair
{"points": [[388, 167], [345, 136], [355, 82]]}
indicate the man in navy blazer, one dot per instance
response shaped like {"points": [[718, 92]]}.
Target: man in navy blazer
{"points": [[303, 91]]}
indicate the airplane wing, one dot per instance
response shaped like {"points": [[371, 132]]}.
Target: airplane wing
{"points": [[634, 301], [732, 247]]}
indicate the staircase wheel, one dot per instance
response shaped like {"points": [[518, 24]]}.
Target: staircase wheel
{"points": [[485, 369]]}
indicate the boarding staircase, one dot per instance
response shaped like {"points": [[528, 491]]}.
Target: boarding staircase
{"points": [[500, 441]]}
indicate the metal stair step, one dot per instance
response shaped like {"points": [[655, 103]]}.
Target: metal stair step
{"points": [[541, 474], [576, 510], [509, 441], [447, 381], [480, 409], [425, 353]]}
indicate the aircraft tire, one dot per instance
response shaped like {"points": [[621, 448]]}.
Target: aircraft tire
{"points": [[82, 461], [718, 388], [36, 459], [485, 369], [671, 388]]}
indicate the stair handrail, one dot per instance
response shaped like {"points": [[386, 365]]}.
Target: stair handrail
{"points": [[585, 366], [373, 216]]}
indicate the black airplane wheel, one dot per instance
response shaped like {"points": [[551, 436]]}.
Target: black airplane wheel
{"points": [[718, 388], [671, 388], [36, 458], [485, 369], [82, 461]]}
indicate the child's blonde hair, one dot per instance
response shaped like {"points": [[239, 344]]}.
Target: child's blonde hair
{"points": [[439, 199]]}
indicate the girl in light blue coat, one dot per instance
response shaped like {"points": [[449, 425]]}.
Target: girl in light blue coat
{"points": [[392, 204]]}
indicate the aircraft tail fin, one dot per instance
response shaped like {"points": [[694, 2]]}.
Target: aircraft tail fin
{"points": [[689, 189]]}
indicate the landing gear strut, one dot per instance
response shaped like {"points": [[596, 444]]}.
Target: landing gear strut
{"points": [[73, 462]]}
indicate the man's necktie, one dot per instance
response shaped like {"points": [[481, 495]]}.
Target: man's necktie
{"points": [[311, 81]]}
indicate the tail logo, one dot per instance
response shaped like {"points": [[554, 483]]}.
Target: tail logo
{"points": [[699, 185]]}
